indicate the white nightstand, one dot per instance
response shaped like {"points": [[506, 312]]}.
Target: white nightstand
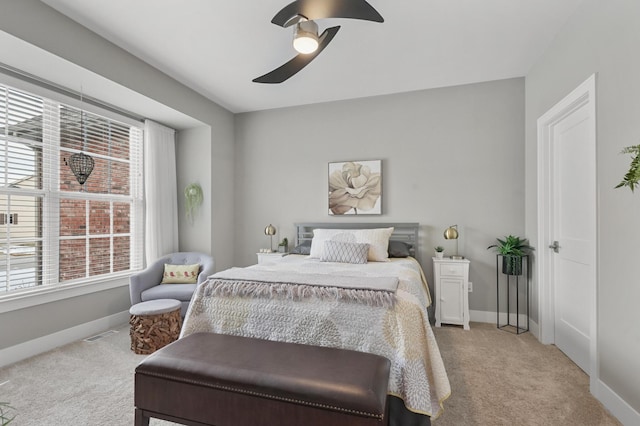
{"points": [[264, 258], [451, 283]]}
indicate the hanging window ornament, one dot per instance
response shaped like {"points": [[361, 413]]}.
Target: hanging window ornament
{"points": [[81, 165]]}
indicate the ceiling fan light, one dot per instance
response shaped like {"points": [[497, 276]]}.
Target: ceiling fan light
{"points": [[305, 44], [305, 37]]}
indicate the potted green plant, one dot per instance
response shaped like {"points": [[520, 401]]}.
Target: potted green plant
{"points": [[633, 175], [512, 249], [439, 252], [192, 200], [283, 247]]}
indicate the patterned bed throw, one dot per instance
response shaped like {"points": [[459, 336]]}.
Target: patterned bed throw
{"points": [[248, 282], [399, 332]]}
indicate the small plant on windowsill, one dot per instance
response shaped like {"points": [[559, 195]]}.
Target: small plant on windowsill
{"points": [[439, 252], [6, 415]]}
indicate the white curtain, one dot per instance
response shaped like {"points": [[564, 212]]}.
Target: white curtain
{"points": [[160, 187]]}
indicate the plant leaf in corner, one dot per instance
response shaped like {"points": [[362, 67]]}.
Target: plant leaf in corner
{"points": [[632, 177]]}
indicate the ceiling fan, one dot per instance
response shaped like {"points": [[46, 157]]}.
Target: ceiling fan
{"points": [[302, 14]]}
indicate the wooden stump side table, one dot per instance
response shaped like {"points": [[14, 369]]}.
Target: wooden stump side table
{"points": [[154, 324]]}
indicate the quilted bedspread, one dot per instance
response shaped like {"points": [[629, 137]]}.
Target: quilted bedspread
{"points": [[401, 333]]}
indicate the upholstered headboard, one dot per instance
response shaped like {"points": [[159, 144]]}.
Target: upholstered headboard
{"points": [[405, 232]]}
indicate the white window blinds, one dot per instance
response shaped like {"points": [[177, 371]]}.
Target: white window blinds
{"points": [[54, 229]]}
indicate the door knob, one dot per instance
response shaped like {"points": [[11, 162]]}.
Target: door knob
{"points": [[555, 246]]}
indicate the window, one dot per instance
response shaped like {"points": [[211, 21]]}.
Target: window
{"points": [[52, 228]]}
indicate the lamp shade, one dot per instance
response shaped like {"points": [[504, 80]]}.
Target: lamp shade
{"points": [[270, 230], [451, 233]]}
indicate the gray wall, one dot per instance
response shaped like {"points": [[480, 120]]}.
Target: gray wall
{"points": [[192, 163], [601, 38], [30, 323], [451, 155], [200, 159], [38, 24]]}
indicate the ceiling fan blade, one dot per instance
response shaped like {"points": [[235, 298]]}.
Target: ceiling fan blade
{"points": [[300, 61], [320, 9]]}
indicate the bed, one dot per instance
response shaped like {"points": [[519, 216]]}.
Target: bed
{"points": [[378, 307]]}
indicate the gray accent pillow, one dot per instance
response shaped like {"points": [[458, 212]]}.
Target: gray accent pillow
{"points": [[399, 249], [304, 248], [344, 252]]}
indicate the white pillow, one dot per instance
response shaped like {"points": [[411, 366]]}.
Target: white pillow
{"points": [[322, 235], [377, 238], [340, 251]]}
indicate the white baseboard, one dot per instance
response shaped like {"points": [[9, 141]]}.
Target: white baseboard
{"points": [[617, 406], [42, 344], [483, 316], [490, 317]]}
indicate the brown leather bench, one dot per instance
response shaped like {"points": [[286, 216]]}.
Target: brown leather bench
{"points": [[215, 379]]}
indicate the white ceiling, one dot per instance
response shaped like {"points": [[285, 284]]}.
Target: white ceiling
{"points": [[218, 47]]}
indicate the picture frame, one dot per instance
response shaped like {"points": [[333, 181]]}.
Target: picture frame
{"points": [[355, 188]]}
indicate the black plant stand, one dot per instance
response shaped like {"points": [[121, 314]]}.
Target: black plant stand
{"points": [[510, 280]]}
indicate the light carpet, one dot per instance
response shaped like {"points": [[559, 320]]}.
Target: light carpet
{"points": [[500, 378], [497, 378], [80, 384]]}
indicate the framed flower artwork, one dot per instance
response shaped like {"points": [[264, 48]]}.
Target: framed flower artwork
{"points": [[355, 187]]}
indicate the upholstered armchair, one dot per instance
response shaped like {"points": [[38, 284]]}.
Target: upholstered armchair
{"points": [[146, 285]]}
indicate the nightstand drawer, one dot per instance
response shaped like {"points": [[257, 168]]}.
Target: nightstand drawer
{"points": [[452, 270]]}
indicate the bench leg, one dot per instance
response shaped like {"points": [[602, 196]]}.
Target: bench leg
{"points": [[141, 419]]}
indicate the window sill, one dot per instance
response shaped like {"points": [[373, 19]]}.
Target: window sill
{"points": [[40, 295]]}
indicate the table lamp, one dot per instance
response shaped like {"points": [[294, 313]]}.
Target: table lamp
{"points": [[451, 233], [270, 231]]}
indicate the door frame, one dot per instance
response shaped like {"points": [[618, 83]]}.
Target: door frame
{"points": [[583, 96]]}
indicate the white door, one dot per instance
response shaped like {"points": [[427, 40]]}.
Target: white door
{"points": [[575, 218], [568, 197]]}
